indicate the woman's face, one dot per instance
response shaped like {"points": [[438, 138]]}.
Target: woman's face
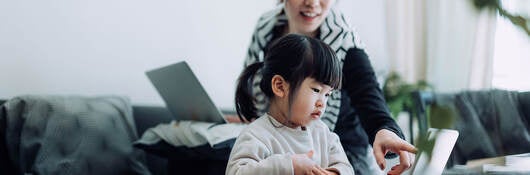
{"points": [[305, 16]]}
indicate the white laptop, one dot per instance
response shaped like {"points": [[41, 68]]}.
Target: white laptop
{"points": [[183, 94], [445, 140]]}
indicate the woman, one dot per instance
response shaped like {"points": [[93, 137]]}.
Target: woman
{"points": [[360, 103]]}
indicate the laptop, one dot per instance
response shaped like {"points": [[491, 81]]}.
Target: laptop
{"points": [[444, 141], [183, 94]]}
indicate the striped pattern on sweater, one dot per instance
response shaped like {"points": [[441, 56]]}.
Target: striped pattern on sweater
{"points": [[334, 31]]}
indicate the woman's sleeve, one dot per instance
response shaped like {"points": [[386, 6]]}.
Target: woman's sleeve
{"points": [[255, 54], [365, 94], [250, 156], [254, 50], [337, 156]]}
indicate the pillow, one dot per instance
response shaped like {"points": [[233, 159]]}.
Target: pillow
{"points": [[71, 135]]}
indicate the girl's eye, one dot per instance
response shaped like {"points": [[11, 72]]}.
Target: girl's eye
{"points": [[316, 90], [329, 93]]}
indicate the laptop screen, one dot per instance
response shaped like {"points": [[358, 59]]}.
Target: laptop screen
{"points": [[444, 141], [183, 94]]}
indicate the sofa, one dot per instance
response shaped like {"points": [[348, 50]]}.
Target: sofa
{"points": [[491, 123], [144, 117], [159, 158]]}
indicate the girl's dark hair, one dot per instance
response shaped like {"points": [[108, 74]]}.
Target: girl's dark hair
{"points": [[294, 57]]}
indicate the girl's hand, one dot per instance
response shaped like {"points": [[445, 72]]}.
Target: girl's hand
{"points": [[321, 171], [232, 118], [303, 164]]}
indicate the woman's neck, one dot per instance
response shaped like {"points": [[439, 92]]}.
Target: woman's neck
{"points": [[286, 30]]}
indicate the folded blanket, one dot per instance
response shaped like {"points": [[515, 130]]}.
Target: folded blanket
{"points": [[192, 134]]}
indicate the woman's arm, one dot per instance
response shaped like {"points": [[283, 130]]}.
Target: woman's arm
{"points": [[366, 97]]}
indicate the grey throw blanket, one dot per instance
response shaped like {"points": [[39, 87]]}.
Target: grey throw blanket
{"points": [[70, 135], [491, 123]]}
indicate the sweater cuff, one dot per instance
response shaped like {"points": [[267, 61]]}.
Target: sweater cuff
{"points": [[285, 162], [342, 170]]}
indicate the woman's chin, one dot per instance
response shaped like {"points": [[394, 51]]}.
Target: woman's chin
{"points": [[308, 29]]}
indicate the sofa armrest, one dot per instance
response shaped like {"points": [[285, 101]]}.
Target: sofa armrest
{"points": [[6, 166], [147, 117], [524, 102]]}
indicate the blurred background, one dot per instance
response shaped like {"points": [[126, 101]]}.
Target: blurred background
{"points": [[104, 47]]}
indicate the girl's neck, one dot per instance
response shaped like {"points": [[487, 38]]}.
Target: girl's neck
{"points": [[281, 116]]}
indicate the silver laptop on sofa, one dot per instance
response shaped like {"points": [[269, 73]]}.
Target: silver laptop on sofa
{"points": [[183, 94]]}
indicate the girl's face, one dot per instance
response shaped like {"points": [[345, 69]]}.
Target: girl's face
{"points": [[310, 101], [305, 16]]}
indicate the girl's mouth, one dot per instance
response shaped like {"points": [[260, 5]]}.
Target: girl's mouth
{"points": [[316, 115]]}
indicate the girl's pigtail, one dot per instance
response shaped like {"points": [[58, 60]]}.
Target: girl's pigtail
{"points": [[244, 99]]}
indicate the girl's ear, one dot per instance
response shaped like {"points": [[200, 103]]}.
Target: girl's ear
{"points": [[279, 86]]}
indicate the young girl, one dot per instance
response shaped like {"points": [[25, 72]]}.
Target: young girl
{"points": [[299, 73]]}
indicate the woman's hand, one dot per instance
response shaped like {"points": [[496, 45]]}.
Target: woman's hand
{"points": [[385, 141]]}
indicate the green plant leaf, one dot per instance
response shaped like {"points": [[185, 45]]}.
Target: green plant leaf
{"points": [[442, 116]]}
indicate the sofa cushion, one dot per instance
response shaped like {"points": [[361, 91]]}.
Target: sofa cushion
{"points": [[71, 135], [183, 160], [201, 152]]}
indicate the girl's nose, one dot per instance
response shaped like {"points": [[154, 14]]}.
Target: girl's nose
{"points": [[319, 104]]}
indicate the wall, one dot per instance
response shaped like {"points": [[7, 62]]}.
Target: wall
{"points": [[103, 47], [368, 19]]}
